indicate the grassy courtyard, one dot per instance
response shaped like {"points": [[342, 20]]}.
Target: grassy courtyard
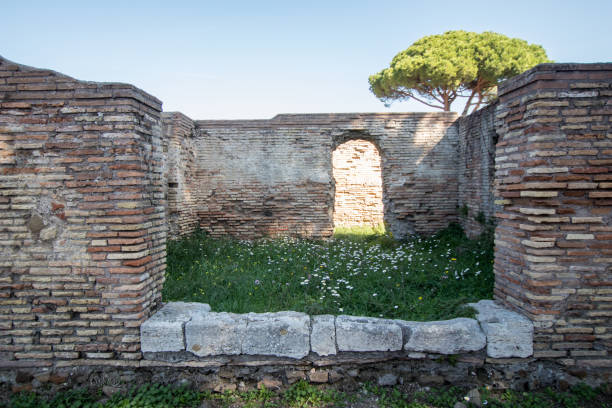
{"points": [[361, 272]]}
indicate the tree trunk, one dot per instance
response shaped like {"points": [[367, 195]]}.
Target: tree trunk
{"points": [[479, 101], [468, 104]]}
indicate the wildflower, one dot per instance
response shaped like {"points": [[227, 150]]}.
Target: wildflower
{"points": [[453, 259], [257, 282], [420, 297], [374, 294], [395, 307]]}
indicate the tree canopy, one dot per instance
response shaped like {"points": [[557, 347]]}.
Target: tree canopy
{"points": [[438, 69]]}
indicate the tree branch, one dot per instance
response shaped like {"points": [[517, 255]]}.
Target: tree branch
{"points": [[405, 94], [428, 104], [434, 97]]}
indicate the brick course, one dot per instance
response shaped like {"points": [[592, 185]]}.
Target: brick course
{"points": [[82, 228], [181, 173], [274, 177], [476, 169], [553, 244], [358, 193]]}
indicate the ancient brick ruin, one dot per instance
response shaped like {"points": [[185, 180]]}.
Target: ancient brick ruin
{"points": [[94, 178], [82, 220], [257, 178], [553, 258]]}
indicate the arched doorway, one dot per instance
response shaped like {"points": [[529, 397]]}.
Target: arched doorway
{"points": [[358, 199]]}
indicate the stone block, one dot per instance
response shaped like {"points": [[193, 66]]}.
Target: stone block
{"points": [[445, 337], [367, 334], [48, 233], [164, 331], [36, 223], [281, 334], [215, 333], [509, 334], [323, 335]]}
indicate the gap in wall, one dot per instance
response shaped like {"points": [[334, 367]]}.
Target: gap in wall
{"points": [[358, 196]]}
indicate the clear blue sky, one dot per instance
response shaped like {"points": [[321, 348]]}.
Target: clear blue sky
{"points": [[254, 59]]}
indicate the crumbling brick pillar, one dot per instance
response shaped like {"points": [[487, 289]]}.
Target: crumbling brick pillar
{"points": [[82, 229], [553, 255]]}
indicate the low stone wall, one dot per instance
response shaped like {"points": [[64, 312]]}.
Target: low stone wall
{"points": [[190, 331], [187, 344]]}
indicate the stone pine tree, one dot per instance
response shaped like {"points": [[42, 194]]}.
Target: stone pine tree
{"points": [[438, 69]]}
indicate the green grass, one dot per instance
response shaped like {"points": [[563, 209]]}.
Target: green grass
{"points": [[359, 272], [303, 395], [578, 396], [150, 395]]}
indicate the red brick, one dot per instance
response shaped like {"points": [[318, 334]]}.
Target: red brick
{"points": [[138, 262]]}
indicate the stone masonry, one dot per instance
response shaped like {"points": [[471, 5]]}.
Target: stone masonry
{"points": [[187, 331], [358, 189]]}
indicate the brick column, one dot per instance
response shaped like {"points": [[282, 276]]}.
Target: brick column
{"points": [[82, 233], [553, 255]]}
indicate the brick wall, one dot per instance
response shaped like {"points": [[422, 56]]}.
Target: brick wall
{"points": [[274, 177], [553, 259], [358, 198], [82, 232], [476, 169], [181, 173]]}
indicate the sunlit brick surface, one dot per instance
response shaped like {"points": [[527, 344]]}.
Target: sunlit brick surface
{"points": [[358, 196]]}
